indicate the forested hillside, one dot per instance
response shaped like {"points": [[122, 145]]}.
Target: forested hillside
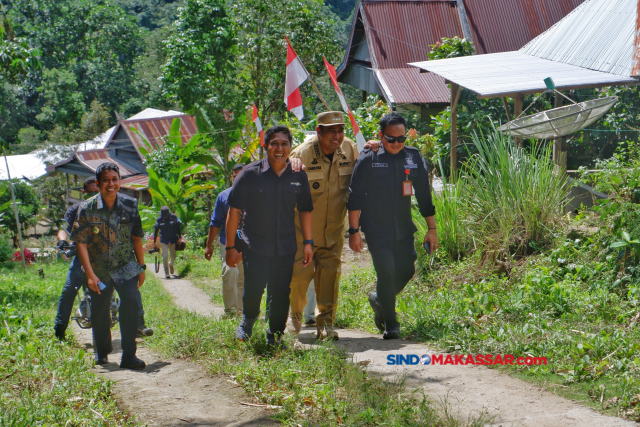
{"points": [[103, 58]]}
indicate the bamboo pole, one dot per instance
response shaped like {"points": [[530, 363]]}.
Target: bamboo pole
{"points": [[309, 75], [506, 107], [15, 211]]}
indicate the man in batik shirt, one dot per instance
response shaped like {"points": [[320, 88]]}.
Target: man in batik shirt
{"points": [[108, 233]]}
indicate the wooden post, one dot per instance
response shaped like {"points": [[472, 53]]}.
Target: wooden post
{"points": [[517, 110], [506, 107], [455, 95], [559, 144], [364, 96], [15, 211]]}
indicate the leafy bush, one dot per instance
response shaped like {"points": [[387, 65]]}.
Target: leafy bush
{"points": [[6, 252]]}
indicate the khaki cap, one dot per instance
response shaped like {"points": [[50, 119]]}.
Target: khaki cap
{"points": [[330, 118]]}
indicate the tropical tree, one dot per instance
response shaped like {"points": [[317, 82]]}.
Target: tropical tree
{"points": [[261, 30], [200, 55], [176, 185]]}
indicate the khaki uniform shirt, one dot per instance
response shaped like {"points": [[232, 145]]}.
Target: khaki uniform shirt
{"points": [[329, 182]]}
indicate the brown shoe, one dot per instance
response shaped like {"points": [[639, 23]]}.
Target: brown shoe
{"points": [[296, 322], [331, 333], [326, 332]]}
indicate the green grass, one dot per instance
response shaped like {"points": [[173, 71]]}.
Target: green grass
{"points": [[563, 305], [202, 273], [43, 381]]}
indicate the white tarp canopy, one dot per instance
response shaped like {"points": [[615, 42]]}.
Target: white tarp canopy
{"points": [[509, 73], [23, 166]]}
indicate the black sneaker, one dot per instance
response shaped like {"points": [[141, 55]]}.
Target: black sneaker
{"points": [[133, 363], [245, 329], [377, 311], [59, 333], [101, 360], [274, 341], [143, 331], [311, 322]]}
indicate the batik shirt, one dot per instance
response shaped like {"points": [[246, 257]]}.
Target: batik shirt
{"points": [[107, 234]]}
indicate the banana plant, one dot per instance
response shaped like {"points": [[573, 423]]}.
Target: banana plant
{"points": [[179, 188]]}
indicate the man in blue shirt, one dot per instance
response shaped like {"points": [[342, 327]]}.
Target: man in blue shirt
{"points": [[75, 275], [232, 277], [169, 227]]}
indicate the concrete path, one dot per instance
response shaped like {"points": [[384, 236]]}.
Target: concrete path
{"points": [[173, 392]]}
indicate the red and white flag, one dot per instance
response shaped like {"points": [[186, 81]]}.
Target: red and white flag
{"points": [[296, 75], [258, 123], [360, 141]]}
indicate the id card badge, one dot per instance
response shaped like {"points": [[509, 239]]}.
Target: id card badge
{"points": [[407, 188], [407, 185]]}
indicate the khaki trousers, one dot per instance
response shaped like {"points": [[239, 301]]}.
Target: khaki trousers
{"points": [[232, 284], [168, 262], [324, 270]]}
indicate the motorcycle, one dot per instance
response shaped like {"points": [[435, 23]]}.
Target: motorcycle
{"points": [[83, 313]]}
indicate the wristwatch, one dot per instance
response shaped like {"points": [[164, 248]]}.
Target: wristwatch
{"points": [[308, 242], [144, 266], [353, 231]]}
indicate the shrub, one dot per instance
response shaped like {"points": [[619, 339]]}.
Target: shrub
{"points": [[514, 197]]}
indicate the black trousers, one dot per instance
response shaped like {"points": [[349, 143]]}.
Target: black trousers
{"points": [[128, 316], [274, 273], [394, 262]]}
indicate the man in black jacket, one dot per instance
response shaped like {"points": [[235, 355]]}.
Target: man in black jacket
{"points": [[268, 191], [382, 186]]}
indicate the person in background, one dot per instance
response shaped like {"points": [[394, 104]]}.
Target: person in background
{"points": [[75, 277], [381, 190], [170, 229], [268, 192], [232, 277], [108, 233]]}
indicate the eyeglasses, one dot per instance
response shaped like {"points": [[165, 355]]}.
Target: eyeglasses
{"points": [[392, 140]]}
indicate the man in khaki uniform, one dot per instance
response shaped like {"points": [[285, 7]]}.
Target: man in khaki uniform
{"points": [[329, 158]]}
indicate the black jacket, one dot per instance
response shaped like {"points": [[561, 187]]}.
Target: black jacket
{"points": [[376, 191]]}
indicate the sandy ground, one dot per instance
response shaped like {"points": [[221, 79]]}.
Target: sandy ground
{"points": [[170, 391]]}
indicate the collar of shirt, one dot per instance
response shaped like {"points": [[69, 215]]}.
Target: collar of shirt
{"points": [[100, 203], [267, 166], [381, 150]]}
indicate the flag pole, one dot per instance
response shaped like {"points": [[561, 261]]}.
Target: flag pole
{"points": [[310, 79]]}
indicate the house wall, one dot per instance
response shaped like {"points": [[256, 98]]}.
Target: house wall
{"points": [[121, 149]]}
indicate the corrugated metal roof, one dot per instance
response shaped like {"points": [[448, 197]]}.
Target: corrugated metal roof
{"points": [[408, 85], [507, 25], [100, 141], [91, 159], [154, 130], [137, 183], [508, 73], [401, 31], [598, 35]]}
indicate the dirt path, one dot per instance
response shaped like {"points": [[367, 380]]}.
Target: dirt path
{"points": [[172, 392], [469, 389]]}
